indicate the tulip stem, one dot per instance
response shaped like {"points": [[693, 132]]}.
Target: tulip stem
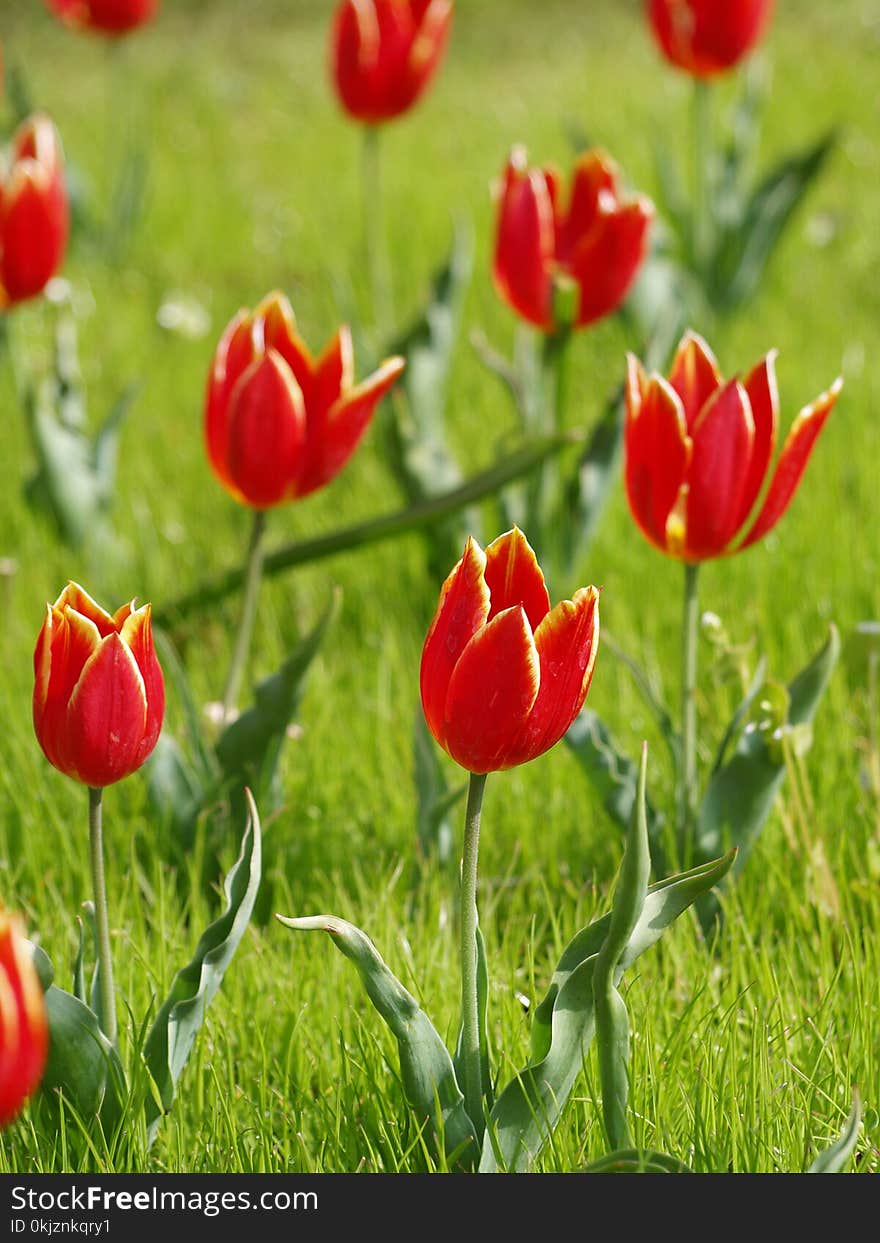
{"points": [[703, 240], [377, 255], [556, 376], [252, 577], [106, 988], [470, 1016], [688, 777]]}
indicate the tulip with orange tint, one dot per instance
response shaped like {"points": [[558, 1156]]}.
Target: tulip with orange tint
{"points": [[708, 37], [106, 17], [593, 236], [280, 422], [384, 53], [503, 675], [24, 1032], [34, 215], [99, 695], [699, 449]]}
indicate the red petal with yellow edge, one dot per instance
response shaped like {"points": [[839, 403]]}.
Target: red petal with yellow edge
{"points": [[347, 421], [593, 175], [462, 610], [267, 433], [525, 243], [75, 597], [274, 316], [513, 577], [606, 262], [333, 375], [763, 394], [694, 376], [491, 693], [723, 440], [792, 463], [234, 354], [66, 642], [657, 451], [138, 634], [567, 642], [106, 717]]}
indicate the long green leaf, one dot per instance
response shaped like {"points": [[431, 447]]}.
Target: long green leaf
{"points": [[637, 1161], [612, 774], [82, 1065], [171, 1037], [834, 1158], [426, 1068]]}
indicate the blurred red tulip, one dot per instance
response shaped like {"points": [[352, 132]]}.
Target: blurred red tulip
{"points": [[34, 216], [706, 37], [24, 1032], [108, 17], [698, 452], [503, 676], [384, 53], [280, 423], [598, 241], [99, 697]]}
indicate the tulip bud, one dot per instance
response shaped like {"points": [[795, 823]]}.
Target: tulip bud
{"points": [[99, 696], [707, 37], [34, 215], [384, 54], [24, 1033], [107, 17]]}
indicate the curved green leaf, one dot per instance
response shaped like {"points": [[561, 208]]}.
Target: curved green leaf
{"points": [[82, 1063], [833, 1159], [637, 1161], [612, 774], [426, 1068], [171, 1037]]}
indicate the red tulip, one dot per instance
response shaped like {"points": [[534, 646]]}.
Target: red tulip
{"points": [[24, 1032], [503, 676], [34, 216], [385, 52], [598, 240], [698, 452], [280, 423], [706, 37], [99, 697], [108, 17]]}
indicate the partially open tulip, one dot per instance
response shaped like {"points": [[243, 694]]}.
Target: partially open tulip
{"points": [[384, 53], [707, 37], [698, 452], [107, 17], [99, 697], [503, 675], [279, 422], [34, 216], [24, 1033], [597, 239]]}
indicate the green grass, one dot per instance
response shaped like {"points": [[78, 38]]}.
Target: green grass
{"points": [[741, 1061]]}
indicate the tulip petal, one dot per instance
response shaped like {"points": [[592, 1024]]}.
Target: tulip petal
{"points": [[605, 263], [567, 642], [658, 450], [513, 577], [462, 610], [694, 376], [106, 716], [491, 693], [277, 322], [792, 462], [593, 174], [723, 438], [24, 1036], [344, 427], [234, 354], [763, 394], [74, 597], [137, 633], [525, 243], [67, 640], [333, 377], [34, 222], [267, 433]]}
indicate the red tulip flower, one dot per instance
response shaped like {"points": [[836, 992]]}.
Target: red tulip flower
{"points": [[698, 452], [24, 1032], [280, 423], [384, 54], [99, 697], [707, 37], [34, 216], [503, 676], [106, 17], [597, 240]]}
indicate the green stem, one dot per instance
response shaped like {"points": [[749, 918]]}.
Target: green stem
{"points": [[555, 364], [374, 236], [107, 991], [688, 776], [253, 575], [703, 223], [470, 1016]]}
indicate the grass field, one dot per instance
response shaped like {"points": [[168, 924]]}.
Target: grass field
{"points": [[743, 1061]]}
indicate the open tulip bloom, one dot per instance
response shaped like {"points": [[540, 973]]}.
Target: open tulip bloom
{"points": [[34, 215], [24, 1033], [708, 37], [106, 17]]}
